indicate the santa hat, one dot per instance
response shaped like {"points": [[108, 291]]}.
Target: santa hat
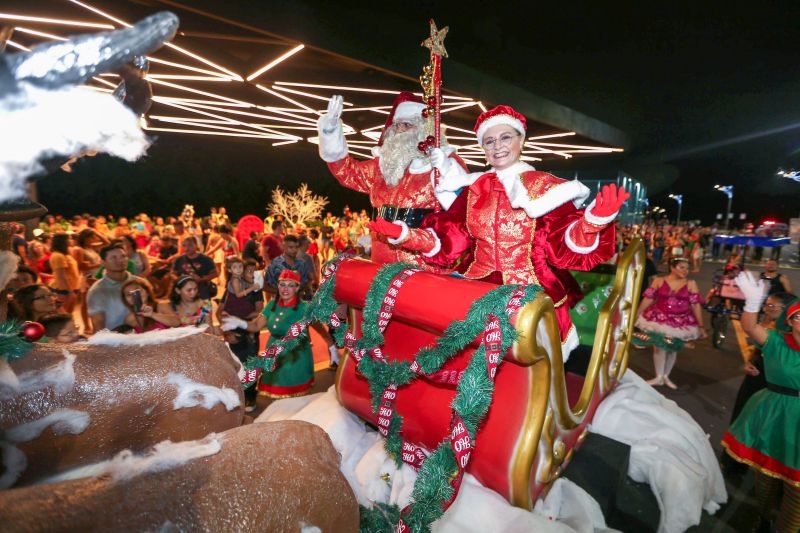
{"points": [[501, 114], [406, 106], [290, 275]]}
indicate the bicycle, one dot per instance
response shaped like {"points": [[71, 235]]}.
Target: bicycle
{"points": [[724, 302]]}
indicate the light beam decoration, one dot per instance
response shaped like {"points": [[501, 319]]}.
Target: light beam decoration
{"points": [[789, 174], [218, 84]]}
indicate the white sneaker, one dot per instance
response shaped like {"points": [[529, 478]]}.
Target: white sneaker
{"points": [[658, 380]]}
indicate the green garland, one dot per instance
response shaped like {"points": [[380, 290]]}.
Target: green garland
{"points": [[12, 345], [651, 338], [473, 393]]}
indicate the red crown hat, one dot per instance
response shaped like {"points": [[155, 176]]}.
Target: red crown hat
{"points": [[407, 105], [289, 274], [501, 114]]}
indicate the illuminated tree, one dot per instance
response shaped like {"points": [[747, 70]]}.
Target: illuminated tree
{"points": [[298, 207]]}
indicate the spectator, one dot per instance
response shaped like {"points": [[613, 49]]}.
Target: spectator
{"points": [[61, 328], [33, 302], [18, 244], [303, 244], [105, 305], [250, 250], [141, 264], [777, 281], [89, 262], [141, 315], [287, 260], [66, 282], [186, 304], [25, 276], [272, 244], [197, 266]]}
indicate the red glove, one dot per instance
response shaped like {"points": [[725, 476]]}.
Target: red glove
{"points": [[609, 200], [384, 227]]}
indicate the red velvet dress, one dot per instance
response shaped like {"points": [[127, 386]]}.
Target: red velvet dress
{"points": [[482, 236], [414, 190]]}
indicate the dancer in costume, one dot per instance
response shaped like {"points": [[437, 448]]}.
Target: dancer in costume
{"points": [[671, 308], [766, 434], [514, 224], [294, 373], [397, 179]]}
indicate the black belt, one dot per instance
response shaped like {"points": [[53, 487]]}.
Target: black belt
{"points": [[783, 390], [412, 216]]}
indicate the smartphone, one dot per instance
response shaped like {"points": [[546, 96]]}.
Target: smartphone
{"points": [[137, 300]]}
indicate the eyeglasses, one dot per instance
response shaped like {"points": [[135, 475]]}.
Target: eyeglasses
{"points": [[774, 306], [795, 317], [496, 144], [402, 126], [45, 295]]}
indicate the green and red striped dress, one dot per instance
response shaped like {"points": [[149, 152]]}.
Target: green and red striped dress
{"points": [[294, 373], [766, 435]]}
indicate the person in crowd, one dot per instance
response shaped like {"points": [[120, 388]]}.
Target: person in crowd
{"points": [[250, 250], [777, 282], [25, 276], [121, 229], [105, 306], [33, 303], [143, 311], [671, 308], [141, 263], [313, 248], [197, 266], [242, 299], [154, 247], [86, 254], [66, 282], [303, 244], [214, 248], [696, 251], [326, 240], [18, 243], [186, 304], [286, 260], [766, 434], [272, 244], [61, 328]]}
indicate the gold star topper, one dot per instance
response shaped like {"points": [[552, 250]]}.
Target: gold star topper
{"points": [[436, 41]]}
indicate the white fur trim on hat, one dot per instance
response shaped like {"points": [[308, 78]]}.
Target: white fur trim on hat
{"points": [[497, 120], [408, 110]]}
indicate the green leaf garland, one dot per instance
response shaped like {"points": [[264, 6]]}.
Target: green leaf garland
{"points": [[12, 345]]}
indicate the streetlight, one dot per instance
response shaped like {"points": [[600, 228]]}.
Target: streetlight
{"points": [[678, 198], [728, 191]]}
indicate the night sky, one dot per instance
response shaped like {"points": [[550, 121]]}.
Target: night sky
{"points": [[708, 92]]}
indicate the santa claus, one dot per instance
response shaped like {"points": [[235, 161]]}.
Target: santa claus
{"points": [[398, 179], [514, 224]]}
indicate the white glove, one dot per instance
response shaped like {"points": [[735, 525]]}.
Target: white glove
{"points": [[334, 351], [332, 119], [754, 290], [232, 322], [440, 160]]}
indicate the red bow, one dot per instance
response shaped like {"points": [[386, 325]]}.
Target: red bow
{"points": [[483, 187]]}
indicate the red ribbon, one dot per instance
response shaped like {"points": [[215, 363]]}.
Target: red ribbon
{"points": [[482, 188]]}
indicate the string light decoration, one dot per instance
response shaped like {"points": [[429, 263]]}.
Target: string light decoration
{"points": [[268, 96]]}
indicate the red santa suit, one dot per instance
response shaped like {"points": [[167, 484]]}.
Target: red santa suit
{"points": [[403, 202], [518, 226]]}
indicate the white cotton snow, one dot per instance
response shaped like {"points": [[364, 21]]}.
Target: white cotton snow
{"points": [[573, 506], [60, 376], [111, 338], [62, 420], [669, 451], [193, 394], [14, 464], [365, 464], [39, 124], [309, 529], [163, 456]]}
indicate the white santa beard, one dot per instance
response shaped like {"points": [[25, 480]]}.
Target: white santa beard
{"points": [[397, 152]]}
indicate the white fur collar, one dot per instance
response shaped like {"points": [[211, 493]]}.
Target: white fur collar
{"points": [[557, 196]]}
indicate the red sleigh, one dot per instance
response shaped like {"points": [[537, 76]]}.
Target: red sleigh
{"points": [[539, 414]]}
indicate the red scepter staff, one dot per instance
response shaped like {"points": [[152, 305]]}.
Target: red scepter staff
{"points": [[431, 81]]}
